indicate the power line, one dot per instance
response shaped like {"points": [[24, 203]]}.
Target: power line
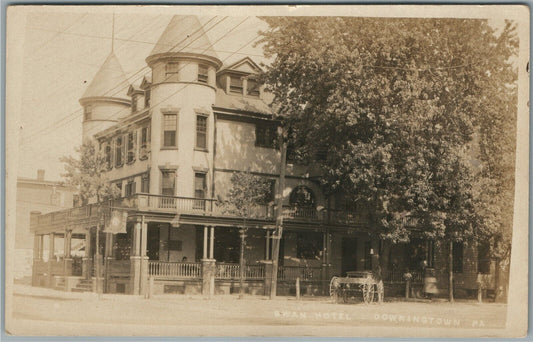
{"points": [[73, 114], [233, 53]]}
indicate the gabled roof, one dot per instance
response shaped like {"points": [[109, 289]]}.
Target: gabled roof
{"points": [[109, 81], [242, 103], [146, 82], [184, 34], [134, 90], [245, 65]]}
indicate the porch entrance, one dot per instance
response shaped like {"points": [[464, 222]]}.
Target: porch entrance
{"points": [[349, 255]]}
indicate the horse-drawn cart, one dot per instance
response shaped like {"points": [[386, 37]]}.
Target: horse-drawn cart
{"points": [[355, 284]]}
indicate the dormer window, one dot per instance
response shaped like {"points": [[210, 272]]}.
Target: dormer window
{"points": [[147, 98], [252, 87], [134, 103], [88, 112], [171, 71], [235, 85], [203, 75]]}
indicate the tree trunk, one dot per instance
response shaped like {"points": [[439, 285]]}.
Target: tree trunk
{"points": [[450, 266], [241, 265], [276, 237]]}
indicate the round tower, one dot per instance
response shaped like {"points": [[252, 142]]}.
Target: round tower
{"points": [[105, 99], [183, 91]]}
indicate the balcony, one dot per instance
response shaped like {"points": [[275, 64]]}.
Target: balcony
{"points": [[92, 213]]}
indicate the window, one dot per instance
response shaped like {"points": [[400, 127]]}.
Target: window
{"points": [[235, 85], [143, 153], [108, 156], [309, 245], [119, 187], [203, 75], [201, 132], [302, 196], [200, 189], [175, 245], [134, 103], [483, 257], [458, 257], [88, 112], [132, 137], [265, 135], [147, 98], [130, 188], [118, 152], [76, 201], [170, 122], [145, 183], [252, 88], [168, 183], [270, 196], [200, 185], [171, 71]]}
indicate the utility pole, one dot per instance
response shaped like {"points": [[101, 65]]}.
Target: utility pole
{"points": [[276, 237], [450, 262]]}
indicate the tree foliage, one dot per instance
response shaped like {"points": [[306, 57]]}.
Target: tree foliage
{"points": [[412, 116], [247, 194], [88, 173]]}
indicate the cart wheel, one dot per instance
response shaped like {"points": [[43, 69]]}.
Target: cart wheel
{"points": [[381, 291], [368, 293], [334, 289]]}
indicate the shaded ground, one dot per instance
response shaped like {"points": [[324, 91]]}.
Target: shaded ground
{"points": [[45, 311]]}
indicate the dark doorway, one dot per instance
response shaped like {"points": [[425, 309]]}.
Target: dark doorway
{"points": [[152, 242], [349, 255], [227, 244]]}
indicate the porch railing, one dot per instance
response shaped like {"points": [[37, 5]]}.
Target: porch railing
{"points": [[394, 276], [289, 273], [164, 269], [232, 271], [200, 206]]}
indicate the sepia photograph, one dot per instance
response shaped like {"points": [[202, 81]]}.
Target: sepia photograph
{"points": [[279, 171]]}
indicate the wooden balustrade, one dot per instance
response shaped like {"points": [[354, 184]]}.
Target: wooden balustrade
{"points": [[289, 273], [163, 269], [232, 271]]}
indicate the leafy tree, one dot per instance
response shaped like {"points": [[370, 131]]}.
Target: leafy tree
{"points": [[393, 110], [246, 198], [88, 173]]}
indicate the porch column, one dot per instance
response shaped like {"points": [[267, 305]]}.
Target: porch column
{"points": [[144, 258], [108, 256], [267, 245], [205, 242], [51, 259], [208, 265], [41, 247], [87, 260], [135, 258], [212, 243], [67, 251], [37, 259], [325, 274]]}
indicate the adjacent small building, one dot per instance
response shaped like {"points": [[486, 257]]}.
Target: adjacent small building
{"points": [[36, 196]]}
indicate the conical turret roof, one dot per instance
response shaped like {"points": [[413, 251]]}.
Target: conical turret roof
{"points": [[184, 34], [109, 81]]}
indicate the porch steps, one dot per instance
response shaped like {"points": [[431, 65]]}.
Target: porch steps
{"points": [[60, 284], [85, 285]]}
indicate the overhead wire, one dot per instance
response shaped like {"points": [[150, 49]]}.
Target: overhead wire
{"points": [[77, 111]]}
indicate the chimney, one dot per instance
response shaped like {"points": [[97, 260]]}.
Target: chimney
{"points": [[40, 175]]}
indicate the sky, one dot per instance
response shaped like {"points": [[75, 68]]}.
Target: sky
{"points": [[62, 53]]}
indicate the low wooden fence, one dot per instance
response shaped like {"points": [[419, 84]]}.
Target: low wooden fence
{"points": [[164, 269]]}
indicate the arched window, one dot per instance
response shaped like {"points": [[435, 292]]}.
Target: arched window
{"points": [[302, 196]]}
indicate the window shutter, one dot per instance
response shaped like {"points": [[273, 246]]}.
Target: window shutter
{"points": [[112, 153], [124, 143]]}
